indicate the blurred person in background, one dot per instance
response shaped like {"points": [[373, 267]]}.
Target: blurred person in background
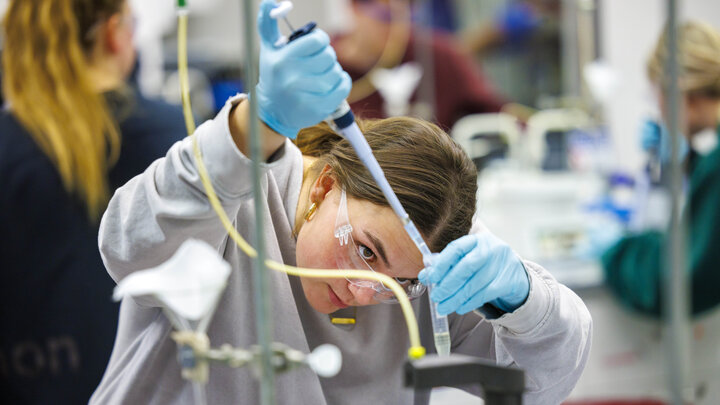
{"points": [[460, 88], [635, 265], [71, 132], [519, 47]]}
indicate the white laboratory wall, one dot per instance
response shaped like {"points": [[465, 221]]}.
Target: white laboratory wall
{"points": [[628, 31]]}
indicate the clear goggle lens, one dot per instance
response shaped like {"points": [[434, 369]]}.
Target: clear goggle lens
{"points": [[350, 255]]}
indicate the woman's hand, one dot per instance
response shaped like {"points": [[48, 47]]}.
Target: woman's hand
{"points": [[300, 83], [474, 270]]}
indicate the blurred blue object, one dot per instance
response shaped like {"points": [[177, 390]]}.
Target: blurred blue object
{"points": [[224, 89], [598, 239], [650, 136], [620, 213], [517, 20], [621, 179], [436, 14], [655, 140]]}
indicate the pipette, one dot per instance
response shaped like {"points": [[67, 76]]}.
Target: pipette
{"points": [[344, 119]]}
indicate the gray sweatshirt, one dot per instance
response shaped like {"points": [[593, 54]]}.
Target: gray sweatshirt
{"points": [[154, 213]]}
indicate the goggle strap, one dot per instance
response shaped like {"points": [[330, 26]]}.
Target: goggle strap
{"points": [[342, 222]]}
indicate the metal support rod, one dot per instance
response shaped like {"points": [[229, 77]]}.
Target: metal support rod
{"points": [[675, 280], [570, 45], [260, 281], [425, 103]]}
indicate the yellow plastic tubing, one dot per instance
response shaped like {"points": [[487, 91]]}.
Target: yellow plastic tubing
{"points": [[416, 349]]}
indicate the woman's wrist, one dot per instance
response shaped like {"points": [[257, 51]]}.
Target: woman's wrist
{"points": [[239, 124]]}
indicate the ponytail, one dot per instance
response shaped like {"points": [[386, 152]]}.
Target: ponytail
{"points": [[317, 140]]}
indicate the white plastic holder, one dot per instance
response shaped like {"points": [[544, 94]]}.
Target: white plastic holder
{"points": [[397, 86], [189, 283]]}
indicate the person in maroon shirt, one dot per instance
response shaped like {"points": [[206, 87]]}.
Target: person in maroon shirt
{"points": [[460, 88]]}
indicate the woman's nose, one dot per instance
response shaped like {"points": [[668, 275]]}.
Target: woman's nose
{"points": [[362, 295]]}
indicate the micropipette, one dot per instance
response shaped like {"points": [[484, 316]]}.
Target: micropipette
{"points": [[344, 119], [345, 122]]}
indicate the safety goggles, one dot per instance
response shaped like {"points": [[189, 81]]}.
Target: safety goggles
{"points": [[354, 256]]}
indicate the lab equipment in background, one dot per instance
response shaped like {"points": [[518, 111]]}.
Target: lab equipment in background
{"points": [[602, 80], [189, 286], [541, 214], [487, 137], [551, 140], [535, 194], [542, 176], [546, 137], [397, 86], [587, 149], [154, 20]]}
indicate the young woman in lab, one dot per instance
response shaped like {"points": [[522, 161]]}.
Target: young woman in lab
{"points": [[633, 266], [68, 113], [541, 326]]}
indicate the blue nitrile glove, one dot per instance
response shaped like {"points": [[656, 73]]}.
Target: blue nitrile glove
{"points": [[474, 270], [300, 83], [655, 139]]}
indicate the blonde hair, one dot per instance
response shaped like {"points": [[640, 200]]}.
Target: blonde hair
{"points": [[45, 64], [434, 179], [699, 59]]}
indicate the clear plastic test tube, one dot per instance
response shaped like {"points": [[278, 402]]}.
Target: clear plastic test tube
{"points": [[441, 329]]}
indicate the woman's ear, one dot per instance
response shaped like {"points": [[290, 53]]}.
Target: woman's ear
{"points": [[322, 185]]}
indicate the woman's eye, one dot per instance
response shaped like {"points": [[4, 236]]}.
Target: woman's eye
{"points": [[366, 253]]}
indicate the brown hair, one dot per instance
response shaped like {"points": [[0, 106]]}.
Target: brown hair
{"points": [[45, 63], [432, 176], [699, 59]]}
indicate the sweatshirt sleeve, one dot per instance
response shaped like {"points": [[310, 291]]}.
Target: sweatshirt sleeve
{"points": [[155, 212], [632, 271]]}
